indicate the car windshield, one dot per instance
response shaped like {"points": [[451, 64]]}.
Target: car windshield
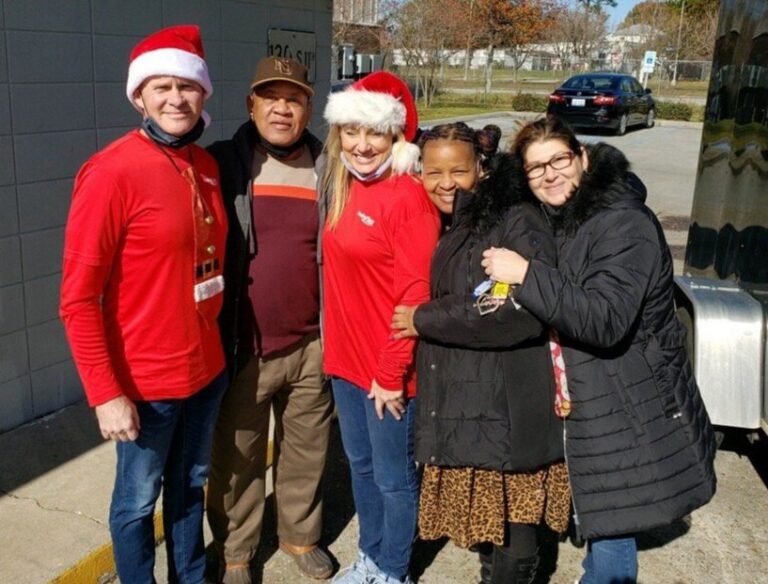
{"points": [[591, 82]]}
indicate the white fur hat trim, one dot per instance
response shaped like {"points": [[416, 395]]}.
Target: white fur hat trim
{"points": [[172, 62], [378, 111]]}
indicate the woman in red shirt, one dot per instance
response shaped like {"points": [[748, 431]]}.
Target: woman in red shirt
{"points": [[377, 244]]}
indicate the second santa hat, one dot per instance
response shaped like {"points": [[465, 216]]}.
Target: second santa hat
{"points": [[380, 101]]}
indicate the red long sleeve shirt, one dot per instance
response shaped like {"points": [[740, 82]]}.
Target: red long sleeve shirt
{"points": [[139, 243], [376, 258]]}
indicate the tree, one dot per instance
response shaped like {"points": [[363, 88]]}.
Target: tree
{"points": [[513, 24], [428, 33], [694, 22], [578, 29], [532, 20]]}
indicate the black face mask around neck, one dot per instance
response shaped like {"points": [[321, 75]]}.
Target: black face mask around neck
{"points": [[283, 151], [156, 133]]}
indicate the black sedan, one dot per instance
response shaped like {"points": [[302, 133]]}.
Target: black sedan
{"points": [[603, 100]]}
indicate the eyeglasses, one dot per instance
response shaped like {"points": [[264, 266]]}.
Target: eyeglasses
{"points": [[559, 162]]}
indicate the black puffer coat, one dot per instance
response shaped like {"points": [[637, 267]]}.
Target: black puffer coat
{"points": [[639, 447], [485, 383]]}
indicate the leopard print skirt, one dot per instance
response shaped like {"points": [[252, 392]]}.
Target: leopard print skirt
{"points": [[471, 505]]}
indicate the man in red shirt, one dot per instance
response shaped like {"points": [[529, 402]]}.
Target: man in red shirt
{"points": [[271, 330], [141, 291]]}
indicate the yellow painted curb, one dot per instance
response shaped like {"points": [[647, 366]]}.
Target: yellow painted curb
{"points": [[99, 564]]}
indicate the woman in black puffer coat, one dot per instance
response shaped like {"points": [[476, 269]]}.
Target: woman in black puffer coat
{"points": [[486, 428], [639, 446]]}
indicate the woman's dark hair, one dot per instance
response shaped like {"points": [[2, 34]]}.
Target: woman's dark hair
{"points": [[541, 130], [485, 142]]}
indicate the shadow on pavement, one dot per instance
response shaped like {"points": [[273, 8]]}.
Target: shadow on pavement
{"points": [[738, 441], [34, 449]]}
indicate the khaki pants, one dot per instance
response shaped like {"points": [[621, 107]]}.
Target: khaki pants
{"points": [[290, 383]]}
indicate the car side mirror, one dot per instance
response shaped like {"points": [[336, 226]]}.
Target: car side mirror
{"points": [[647, 91]]}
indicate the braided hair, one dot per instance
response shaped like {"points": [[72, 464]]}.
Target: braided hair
{"points": [[485, 142]]}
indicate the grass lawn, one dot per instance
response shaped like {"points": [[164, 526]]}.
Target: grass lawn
{"points": [[438, 111]]}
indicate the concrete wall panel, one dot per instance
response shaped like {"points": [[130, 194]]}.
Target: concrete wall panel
{"points": [[5, 110], [10, 251], [53, 155], [204, 13], [44, 204], [137, 17], [11, 309], [48, 15], [33, 110], [243, 21], [13, 356], [110, 61], [15, 402], [47, 344], [49, 57], [41, 297], [55, 387], [41, 252], [9, 222], [113, 107], [7, 174]]}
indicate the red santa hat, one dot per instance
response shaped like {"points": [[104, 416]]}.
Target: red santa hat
{"points": [[380, 101], [176, 51]]}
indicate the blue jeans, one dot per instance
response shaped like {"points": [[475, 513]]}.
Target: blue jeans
{"points": [[173, 450], [610, 560], [385, 484]]}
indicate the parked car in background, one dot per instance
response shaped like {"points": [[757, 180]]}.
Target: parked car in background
{"points": [[603, 100]]}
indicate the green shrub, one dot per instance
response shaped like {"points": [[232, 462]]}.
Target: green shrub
{"points": [[526, 102], [667, 110]]}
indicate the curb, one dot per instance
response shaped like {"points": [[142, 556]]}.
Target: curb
{"points": [[98, 566]]}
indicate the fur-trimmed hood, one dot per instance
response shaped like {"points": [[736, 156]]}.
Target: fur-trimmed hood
{"points": [[503, 186], [608, 181]]}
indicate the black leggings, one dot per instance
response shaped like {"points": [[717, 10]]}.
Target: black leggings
{"points": [[519, 541], [514, 562]]}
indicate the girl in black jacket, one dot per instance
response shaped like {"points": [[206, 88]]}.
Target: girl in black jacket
{"points": [[639, 444], [485, 428]]}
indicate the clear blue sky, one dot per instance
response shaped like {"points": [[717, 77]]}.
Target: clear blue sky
{"points": [[617, 14]]}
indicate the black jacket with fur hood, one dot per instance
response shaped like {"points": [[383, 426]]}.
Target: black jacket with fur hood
{"points": [[639, 443], [485, 383]]}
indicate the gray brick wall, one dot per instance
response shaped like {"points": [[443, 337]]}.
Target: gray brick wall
{"points": [[62, 73]]}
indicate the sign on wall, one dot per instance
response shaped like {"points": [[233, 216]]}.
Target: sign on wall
{"points": [[293, 44]]}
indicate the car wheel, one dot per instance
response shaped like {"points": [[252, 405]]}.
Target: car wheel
{"points": [[622, 129], [650, 118]]}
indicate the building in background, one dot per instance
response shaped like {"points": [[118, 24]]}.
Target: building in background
{"points": [[63, 67], [358, 23]]}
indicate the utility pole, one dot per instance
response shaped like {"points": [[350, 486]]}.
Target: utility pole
{"points": [[679, 37]]}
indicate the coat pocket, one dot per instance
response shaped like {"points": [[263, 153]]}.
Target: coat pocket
{"points": [[635, 387], [665, 353]]}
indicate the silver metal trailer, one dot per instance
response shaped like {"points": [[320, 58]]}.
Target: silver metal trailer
{"points": [[723, 294]]}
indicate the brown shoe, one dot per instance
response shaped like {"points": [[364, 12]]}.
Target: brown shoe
{"points": [[310, 559]]}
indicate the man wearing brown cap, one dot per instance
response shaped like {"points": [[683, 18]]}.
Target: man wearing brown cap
{"points": [[270, 329]]}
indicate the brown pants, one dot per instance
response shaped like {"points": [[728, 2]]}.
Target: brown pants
{"points": [[290, 383]]}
